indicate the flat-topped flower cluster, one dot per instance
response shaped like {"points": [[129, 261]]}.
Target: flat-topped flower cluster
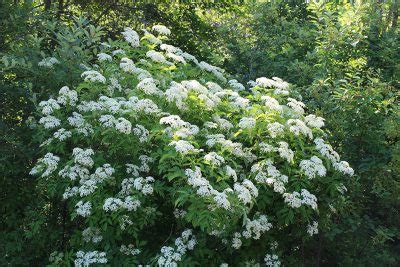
{"points": [[154, 142]]}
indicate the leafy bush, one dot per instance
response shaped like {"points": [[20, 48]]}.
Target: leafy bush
{"points": [[31, 221], [160, 159]]}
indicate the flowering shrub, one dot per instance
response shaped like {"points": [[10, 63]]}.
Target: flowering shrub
{"points": [[162, 160]]}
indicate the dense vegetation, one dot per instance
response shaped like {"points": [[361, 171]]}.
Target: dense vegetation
{"points": [[342, 59]]}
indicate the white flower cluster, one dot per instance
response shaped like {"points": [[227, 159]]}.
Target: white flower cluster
{"points": [[312, 229], [327, 151], [92, 234], [179, 213], [267, 173], [47, 165], [296, 199], [77, 121], [144, 185], [84, 259], [104, 57], [272, 260], [149, 87], [67, 96], [275, 129], [129, 250], [170, 256], [271, 103], [298, 127], [237, 86], [247, 123], [83, 208], [183, 147], [281, 87], [161, 29], [214, 159], [297, 106], [285, 152], [314, 121], [129, 203], [253, 229], [49, 122], [48, 62], [49, 106], [131, 37], [313, 167], [93, 76]]}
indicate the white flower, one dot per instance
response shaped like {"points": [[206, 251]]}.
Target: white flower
{"points": [[112, 204], [92, 234], [130, 203], [70, 192], [141, 132], [243, 193], [256, 227], [149, 87], [272, 260], [84, 259], [156, 56], [314, 121], [49, 122], [271, 103], [170, 256], [230, 172], [179, 213], [93, 76], [285, 152], [177, 93], [236, 242], [131, 37], [274, 82], [48, 164], [236, 85], [48, 62], [221, 199], [173, 120], [84, 208], [74, 172], [104, 57], [297, 106], [312, 229], [62, 134], [343, 167], [214, 158], [223, 124], [275, 129], [123, 126], [176, 57], [161, 29], [88, 187], [49, 106], [118, 52], [83, 156], [65, 95], [326, 150], [183, 147], [313, 167], [247, 123], [127, 65], [298, 127], [129, 250]]}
